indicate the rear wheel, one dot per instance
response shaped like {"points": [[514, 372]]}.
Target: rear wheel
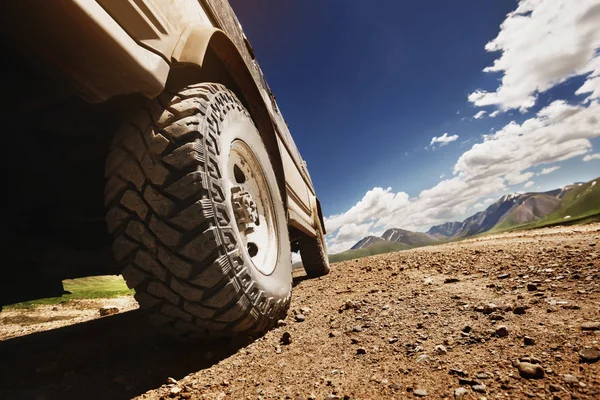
{"points": [[197, 217], [314, 255]]}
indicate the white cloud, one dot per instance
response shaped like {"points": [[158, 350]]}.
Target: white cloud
{"points": [[558, 132], [480, 114], [591, 157], [528, 184], [494, 114], [542, 44], [549, 170], [443, 140], [516, 177]]}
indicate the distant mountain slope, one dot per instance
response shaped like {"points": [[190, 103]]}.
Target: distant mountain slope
{"points": [[367, 241], [569, 204], [446, 230], [407, 237], [578, 202]]}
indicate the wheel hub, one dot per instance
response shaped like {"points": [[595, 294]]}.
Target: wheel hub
{"points": [[244, 207], [252, 207]]}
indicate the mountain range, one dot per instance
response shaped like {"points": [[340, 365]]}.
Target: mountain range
{"points": [[576, 203]]}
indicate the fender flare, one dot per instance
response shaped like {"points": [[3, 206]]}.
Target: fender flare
{"points": [[191, 49]]}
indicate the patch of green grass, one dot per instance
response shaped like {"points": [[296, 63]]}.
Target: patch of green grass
{"points": [[93, 287]]}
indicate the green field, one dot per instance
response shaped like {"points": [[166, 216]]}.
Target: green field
{"points": [[94, 287]]}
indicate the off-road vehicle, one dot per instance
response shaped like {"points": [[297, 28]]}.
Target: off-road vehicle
{"points": [[147, 126]]}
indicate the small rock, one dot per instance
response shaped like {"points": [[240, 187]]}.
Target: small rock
{"points": [[503, 276], [109, 310], [334, 333], [479, 388], [555, 388], [361, 350], [502, 331], [54, 308], [305, 310], [440, 349], [357, 328], [172, 381], [281, 323], [422, 358], [530, 371], [590, 326], [175, 390], [528, 341], [427, 281], [482, 375], [532, 287], [589, 355], [519, 310], [277, 349], [421, 393], [458, 372], [300, 318], [460, 392], [467, 329], [286, 338], [451, 280], [186, 395], [570, 379]]}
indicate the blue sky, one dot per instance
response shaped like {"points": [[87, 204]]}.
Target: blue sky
{"points": [[365, 87]]}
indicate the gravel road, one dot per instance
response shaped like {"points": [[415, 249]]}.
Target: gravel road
{"points": [[506, 316]]}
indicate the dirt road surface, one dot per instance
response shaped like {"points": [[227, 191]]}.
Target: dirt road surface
{"points": [[499, 317]]}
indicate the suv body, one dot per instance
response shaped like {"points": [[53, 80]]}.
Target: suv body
{"points": [[87, 65]]}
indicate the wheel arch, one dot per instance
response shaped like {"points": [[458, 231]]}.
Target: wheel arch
{"points": [[198, 50]]}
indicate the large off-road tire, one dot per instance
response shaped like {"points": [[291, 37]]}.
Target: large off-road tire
{"points": [[314, 255], [197, 217]]}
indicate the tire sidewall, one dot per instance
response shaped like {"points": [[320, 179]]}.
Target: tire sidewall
{"points": [[237, 125]]}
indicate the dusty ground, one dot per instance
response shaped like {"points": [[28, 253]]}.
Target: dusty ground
{"points": [[422, 322]]}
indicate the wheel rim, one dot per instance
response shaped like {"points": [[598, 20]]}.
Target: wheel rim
{"points": [[253, 207]]}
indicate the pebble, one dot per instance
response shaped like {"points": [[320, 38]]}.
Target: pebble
{"points": [[334, 333], [286, 338], [570, 379], [467, 329], [109, 310], [502, 331], [361, 350], [530, 371], [422, 358], [482, 375], [421, 393], [460, 392], [532, 287], [503, 276], [440, 349], [300, 318], [528, 341], [590, 326], [451, 280], [479, 388], [519, 310], [589, 355]]}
